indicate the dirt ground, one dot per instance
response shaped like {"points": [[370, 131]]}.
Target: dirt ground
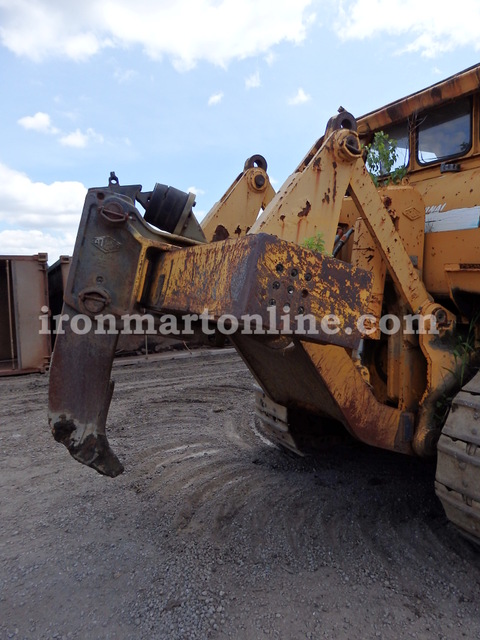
{"points": [[212, 532]]}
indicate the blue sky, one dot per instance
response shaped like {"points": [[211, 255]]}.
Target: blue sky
{"points": [[183, 92]]}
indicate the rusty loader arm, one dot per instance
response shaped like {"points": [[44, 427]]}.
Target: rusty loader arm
{"points": [[122, 268]]}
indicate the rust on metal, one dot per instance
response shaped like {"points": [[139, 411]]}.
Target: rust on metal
{"points": [[305, 211], [305, 192], [80, 393], [264, 276]]}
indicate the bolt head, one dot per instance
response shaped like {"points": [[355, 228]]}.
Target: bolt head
{"points": [[259, 181]]}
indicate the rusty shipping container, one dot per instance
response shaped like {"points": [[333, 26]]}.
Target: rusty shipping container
{"points": [[23, 293]]}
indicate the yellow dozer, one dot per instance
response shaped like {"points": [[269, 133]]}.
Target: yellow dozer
{"points": [[354, 301]]}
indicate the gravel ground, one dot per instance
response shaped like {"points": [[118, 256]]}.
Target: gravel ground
{"points": [[212, 532]]}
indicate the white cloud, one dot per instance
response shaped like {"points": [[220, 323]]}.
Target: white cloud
{"points": [[75, 139], [79, 140], [253, 81], [431, 26], [28, 204], [196, 191], [39, 122], [299, 98], [217, 31], [215, 99], [36, 217], [22, 242]]}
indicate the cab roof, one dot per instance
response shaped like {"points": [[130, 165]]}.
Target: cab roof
{"points": [[461, 84]]}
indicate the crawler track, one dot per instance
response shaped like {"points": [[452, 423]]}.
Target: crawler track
{"points": [[457, 481]]}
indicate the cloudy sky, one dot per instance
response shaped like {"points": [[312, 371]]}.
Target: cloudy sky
{"points": [[183, 91]]}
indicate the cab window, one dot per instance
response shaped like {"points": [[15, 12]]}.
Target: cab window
{"points": [[398, 134], [444, 132]]}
